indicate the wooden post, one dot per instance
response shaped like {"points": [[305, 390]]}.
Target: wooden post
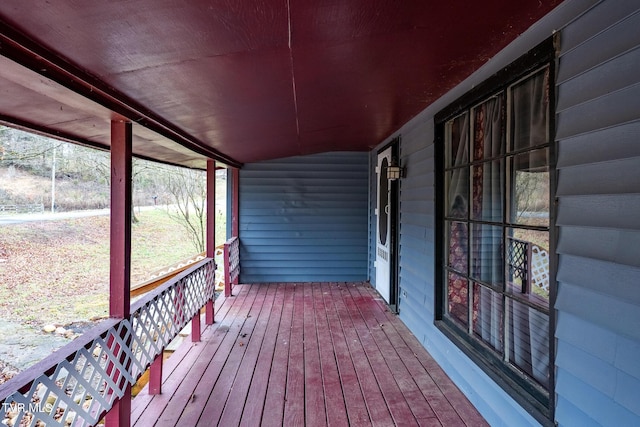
{"points": [[120, 247], [121, 200], [211, 229], [195, 327], [227, 270], [155, 375]]}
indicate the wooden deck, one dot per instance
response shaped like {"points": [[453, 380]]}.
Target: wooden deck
{"points": [[306, 354]]}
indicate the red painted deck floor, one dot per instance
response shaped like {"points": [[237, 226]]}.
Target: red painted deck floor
{"points": [[304, 355]]}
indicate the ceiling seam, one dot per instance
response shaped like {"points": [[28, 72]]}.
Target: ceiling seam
{"points": [[293, 75]]}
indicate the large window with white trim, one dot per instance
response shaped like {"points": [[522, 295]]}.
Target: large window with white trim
{"points": [[494, 284]]}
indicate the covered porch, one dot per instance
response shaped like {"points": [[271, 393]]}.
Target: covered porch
{"points": [[304, 354], [303, 102]]}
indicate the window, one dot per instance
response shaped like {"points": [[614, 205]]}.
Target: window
{"points": [[494, 282]]}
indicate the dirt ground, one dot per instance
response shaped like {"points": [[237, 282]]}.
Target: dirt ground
{"points": [[56, 273]]}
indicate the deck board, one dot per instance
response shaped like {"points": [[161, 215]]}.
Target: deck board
{"points": [[328, 354], [375, 320], [366, 326], [374, 400], [223, 340], [356, 407], [238, 395], [228, 377], [294, 391], [334, 401], [257, 393], [314, 409]]}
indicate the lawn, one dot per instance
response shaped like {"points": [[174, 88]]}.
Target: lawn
{"points": [[57, 272]]}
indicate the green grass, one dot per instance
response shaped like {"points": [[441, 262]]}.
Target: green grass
{"points": [[157, 241], [58, 271]]}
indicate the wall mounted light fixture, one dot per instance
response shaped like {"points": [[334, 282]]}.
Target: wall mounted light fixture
{"points": [[394, 171]]}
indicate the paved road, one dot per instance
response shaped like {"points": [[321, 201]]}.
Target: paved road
{"points": [[48, 216]]}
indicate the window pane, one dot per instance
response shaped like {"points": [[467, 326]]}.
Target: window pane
{"points": [[529, 341], [528, 264], [487, 129], [457, 141], [488, 196], [529, 202], [530, 111], [458, 193], [458, 246], [487, 316], [487, 255], [457, 296]]}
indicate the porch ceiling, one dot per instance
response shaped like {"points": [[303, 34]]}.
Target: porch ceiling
{"points": [[242, 81]]}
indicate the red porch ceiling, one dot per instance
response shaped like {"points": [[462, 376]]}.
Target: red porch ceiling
{"points": [[244, 81]]}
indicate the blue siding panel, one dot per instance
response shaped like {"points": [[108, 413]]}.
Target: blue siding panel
{"points": [[627, 355], [570, 415], [602, 16], [591, 338], [619, 37], [608, 312], [605, 244], [304, 219], [592, 403], [608, 182], [610, 211], [625, 383], [595, 372], [610, 110], [599, 292], [590, 85], [616, 280], [622, 142]]}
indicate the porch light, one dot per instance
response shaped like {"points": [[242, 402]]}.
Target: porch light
{"points": [[394, 171]]}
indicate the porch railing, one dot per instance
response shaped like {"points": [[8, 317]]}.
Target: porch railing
{"points": [[161, 276], [529, 264], [231, 264], [78, 384]]}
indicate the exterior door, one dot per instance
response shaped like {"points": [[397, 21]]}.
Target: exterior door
{"points": [[385, 227]]}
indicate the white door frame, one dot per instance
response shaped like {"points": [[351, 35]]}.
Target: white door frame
{"points": [[386, 227]]}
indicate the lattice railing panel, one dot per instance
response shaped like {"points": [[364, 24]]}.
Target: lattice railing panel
{"points": [[517, 260], [234, 259], [231, 264], [539, 267], [79, 389]]}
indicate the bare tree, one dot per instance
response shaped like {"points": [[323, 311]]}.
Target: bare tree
{"points": [[531, 192], [188, 190]]}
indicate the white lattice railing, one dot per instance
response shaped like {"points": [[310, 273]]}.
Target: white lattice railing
{"points": [[529, 263], [540, 268], [79, 383], [231, 264]]}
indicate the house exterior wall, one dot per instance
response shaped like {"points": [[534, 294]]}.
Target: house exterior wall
{"points": [[598, 221], [304, 219], [598, 134]]}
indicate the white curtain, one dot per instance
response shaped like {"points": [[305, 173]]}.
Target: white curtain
{"points": [[487, 195], [529, 337]]}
